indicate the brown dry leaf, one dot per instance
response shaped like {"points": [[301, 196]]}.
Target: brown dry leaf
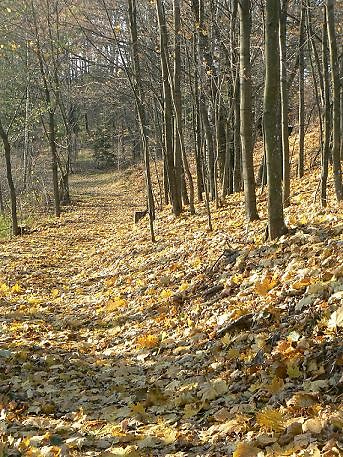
{"points": [[222, 415], [302, 400], [191, 410], [314, 426], [245, 450], [276, 385]]}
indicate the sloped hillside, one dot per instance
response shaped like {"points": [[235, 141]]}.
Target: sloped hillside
{"points": [[202, 344]]}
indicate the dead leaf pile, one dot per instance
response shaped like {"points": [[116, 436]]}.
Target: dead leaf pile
{"points": [[113, 346]]}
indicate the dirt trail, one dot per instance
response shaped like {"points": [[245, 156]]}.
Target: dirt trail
{"points": [[49, 280], [59, 249]]}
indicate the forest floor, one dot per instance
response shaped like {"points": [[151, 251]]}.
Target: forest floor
{"points": [[201, 344]]}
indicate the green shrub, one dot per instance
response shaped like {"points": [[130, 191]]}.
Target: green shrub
{"points": [[103, 147]]}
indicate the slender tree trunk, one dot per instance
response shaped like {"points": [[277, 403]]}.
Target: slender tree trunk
{"points": [[246, 119], [181, 162], [13, 196], [140, 105], [196, 117], [54, 164], [237, 167], [301, 91], [284, 105], [51, 118], [318, 87], [276, 224], [26, 123], [177, 98], [335, 82], [206, 69], [175, 194], [198, 154], [326, 115]]}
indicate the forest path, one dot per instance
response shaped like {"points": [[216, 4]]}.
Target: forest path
{"points": [[60, 249], [111, 345]]}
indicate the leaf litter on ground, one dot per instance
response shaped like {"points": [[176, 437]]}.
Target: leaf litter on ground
{"points": [[202, 344]]}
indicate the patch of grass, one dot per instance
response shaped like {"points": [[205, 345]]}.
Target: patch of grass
{"points": [[5, 227]]}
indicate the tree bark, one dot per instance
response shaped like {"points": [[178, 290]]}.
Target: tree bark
{"points": [[246, 120], [301, 92], [276, 224], [335, 82], [139, 98], [284, 104], [326, 116], [13, 195], [175, 194]]}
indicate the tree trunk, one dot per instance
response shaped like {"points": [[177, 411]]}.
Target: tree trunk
{"points": [[206, 69], [177, 98], [237, 167], [139, 98], [51, 119], [335, 82], [301, 92], [276, 224], [13, 196], [284, 104], [181, 162], [326, 116], [174, 192], [54, 164], [246, 119]]}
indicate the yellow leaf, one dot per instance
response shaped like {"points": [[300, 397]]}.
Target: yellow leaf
{"points": [[34, 300], [166, 293], [271, 419], [4, 289], [196, 263], [16, 289], [304, 282], [109, 282], [147, 341], [232, 354], [267, 284], [245, 450], [184, 286], [55, 293], [114, 304], [237, 279], [314, 426], [138, 410]]}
